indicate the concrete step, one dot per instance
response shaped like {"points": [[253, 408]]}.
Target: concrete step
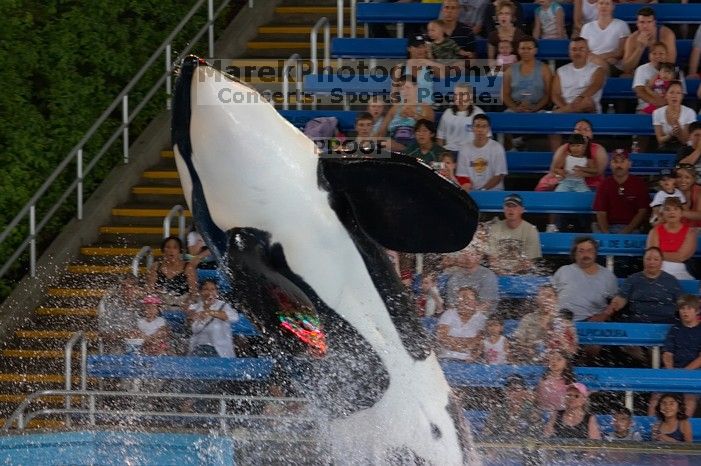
{"points": [[44, 311], [108, 251], [44, 424], [75, 293], [161, 175], [90, 269]]}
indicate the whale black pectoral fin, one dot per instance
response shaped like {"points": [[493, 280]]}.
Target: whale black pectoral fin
{"points": [[402, 203], [349, 375]]}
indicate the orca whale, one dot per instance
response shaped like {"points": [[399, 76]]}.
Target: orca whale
{"points": [[279, 217]]}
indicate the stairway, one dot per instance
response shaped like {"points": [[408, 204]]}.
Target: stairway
{"points": [[33, 359]]}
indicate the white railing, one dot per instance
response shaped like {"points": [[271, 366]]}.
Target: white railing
{"points": [[323, 22], [180, 212], [144, 252], [340, 4], [28, 212], [289, 63], [21, 417], [68, 369]]}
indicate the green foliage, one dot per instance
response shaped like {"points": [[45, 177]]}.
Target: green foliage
{"points": [[62, 63]]}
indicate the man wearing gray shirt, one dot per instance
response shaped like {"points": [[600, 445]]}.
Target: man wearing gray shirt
{"points": [[585, 287], [465, 270]]}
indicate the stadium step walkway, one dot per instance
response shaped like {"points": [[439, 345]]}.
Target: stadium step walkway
{"points": [[33, 358]]}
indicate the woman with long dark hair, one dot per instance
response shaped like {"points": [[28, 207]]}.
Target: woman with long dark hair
{"points": [[673, 425], [172, 277]]}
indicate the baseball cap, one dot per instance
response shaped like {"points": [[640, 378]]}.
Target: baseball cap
{"points": [[152, 299], [666, 173], [580, 387], [417, 40], [515, 380], [513, 199], [622, 153]]}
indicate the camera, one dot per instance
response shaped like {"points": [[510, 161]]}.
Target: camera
{"points": [[438, 165]]}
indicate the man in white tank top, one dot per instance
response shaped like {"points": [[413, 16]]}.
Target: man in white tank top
{"points": [[577, 86]]}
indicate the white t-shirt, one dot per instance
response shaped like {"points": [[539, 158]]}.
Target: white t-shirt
{"points": [[661, 195], [686, 117], [456, 128], [213, 331], [574, 81], [495, 353], [605, 40], [461, 329], [642, 75], [149, 328], [482, 163]]}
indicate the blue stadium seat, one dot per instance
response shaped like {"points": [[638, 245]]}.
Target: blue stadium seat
{"points": [[621, 334], [461, 374], [180, 367], [493, 201], [615, 88], [548, 49], [523, 123], [596, 333], [539, 162], [609, 244], [642, 424], [423, 13]]}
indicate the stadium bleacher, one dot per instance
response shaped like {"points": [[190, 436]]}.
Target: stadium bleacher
{"points": [[326, 83], [423, 13], [518, 123], [548, 49], [179, 367]]}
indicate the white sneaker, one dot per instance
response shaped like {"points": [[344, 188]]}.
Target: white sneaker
{"points": [[551, 228]]}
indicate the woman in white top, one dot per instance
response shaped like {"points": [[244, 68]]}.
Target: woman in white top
{"points": [[606, 38], [455, 127], [459, 329], [211, 320], [672, 121]]}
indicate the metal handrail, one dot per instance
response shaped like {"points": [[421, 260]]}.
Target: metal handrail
{"points": [[68, 360], [29, 209], [327, 44], [339, 18], [289, 63], [146, 252], [21, 418], [180, 212]]}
